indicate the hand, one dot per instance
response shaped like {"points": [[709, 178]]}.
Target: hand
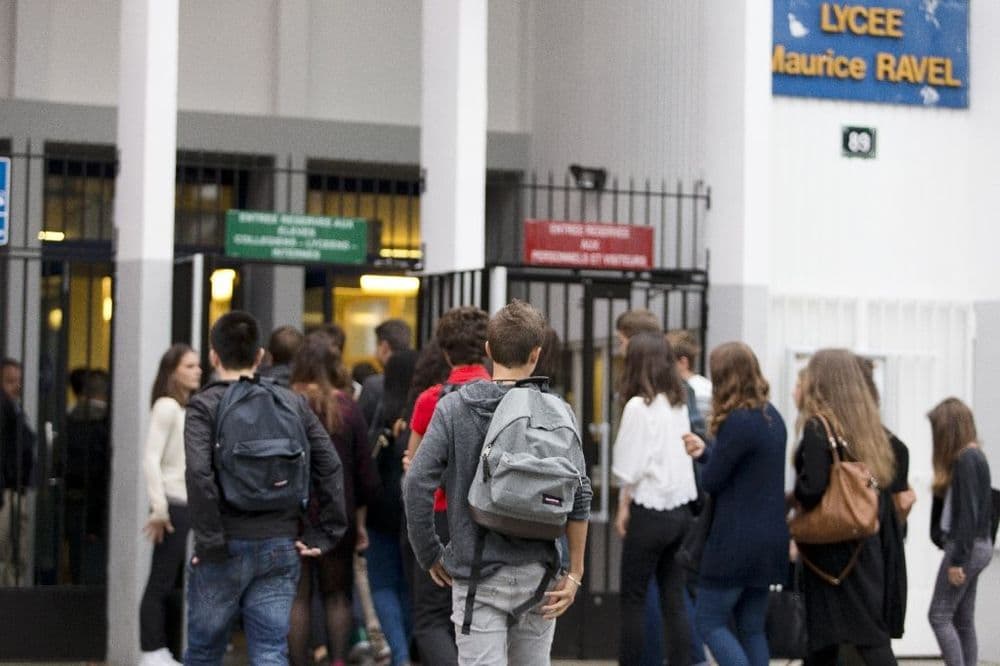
{"points": [[793, 551], [406, 463], [956, 576], [398, 426], [561, 597], [195, 561], [694, 445], [157, 528], [306, 551], [440, 576], [361, 543], [621, 520]]}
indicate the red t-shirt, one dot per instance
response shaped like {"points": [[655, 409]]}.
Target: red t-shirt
{"points": [[423, 410]]}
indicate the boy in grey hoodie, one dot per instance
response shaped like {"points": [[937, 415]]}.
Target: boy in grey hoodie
{"points": [[511, 568]]}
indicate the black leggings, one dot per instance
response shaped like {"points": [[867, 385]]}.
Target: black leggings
{"points": [[872, 655], [165, 574]]}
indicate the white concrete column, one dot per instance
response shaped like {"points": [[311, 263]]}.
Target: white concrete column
{"points": [[984, 105], [736, 42], [144, 217], [291, 62], [453, 135], [31, 49]]}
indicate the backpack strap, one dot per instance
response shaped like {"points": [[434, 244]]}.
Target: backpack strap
{"points": [[551, 569], [475, 573]]}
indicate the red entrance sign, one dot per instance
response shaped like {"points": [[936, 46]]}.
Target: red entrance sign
{"points": [[588, 245]]}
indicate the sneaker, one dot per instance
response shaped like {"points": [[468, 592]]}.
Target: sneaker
{"points": [[161, 657]]}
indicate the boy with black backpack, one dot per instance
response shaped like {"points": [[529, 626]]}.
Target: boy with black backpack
{"points": [[502, 561], [255, 452]]}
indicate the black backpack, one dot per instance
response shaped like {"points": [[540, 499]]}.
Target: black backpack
{"points": [[261, 447]]}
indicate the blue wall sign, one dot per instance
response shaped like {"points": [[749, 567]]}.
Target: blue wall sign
{"points": [[889, 51], [4, 199]]}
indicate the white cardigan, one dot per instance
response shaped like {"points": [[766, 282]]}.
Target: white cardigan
{"points": [[163, 460], [649, 455]]}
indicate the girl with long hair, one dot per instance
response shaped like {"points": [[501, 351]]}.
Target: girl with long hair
{"points": [[178, 376], [386, 577], [317, 364], [744, 471], [961, 526], [856, 610], [657, 485]]}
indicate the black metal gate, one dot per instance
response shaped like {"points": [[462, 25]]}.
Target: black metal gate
{"points": [[582, 306], [57, 307]]}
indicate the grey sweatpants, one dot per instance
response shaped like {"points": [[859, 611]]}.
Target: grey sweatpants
{"points": [[491, 642], [953, 608]]}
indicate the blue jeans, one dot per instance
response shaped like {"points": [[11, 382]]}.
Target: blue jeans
{"points": [[747, 607], [258, 580], [390, 591], [652, 653]]}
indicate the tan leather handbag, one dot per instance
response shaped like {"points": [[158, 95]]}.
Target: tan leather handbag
{"points": [[849, 508]]}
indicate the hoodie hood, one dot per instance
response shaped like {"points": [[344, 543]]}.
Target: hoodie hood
{"points": [[482, 397]]}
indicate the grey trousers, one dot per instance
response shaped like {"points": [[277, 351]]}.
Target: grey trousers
{"points": [[490, 641], [953, 608]]}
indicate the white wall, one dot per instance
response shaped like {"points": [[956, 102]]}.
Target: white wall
{"points": [[341, 60], [894, 226], [226, 56], [365, 61], [83, 50], [617, 85], [508, 65], [6, 46]]}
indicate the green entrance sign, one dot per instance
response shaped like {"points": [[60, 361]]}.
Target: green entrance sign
{"points": [[291, 238]]}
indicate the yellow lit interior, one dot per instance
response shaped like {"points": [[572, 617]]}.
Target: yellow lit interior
{"points": [[223, 281], [359, 313]]}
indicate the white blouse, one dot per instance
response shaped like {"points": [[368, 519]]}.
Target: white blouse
{"points": [[163, 461], [649, 455]]}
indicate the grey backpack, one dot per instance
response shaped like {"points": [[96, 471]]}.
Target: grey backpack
{"points": [[526, 479], [261, 447]]}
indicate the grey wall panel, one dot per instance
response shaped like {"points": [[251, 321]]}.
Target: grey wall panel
{"points": [[267, 135]]}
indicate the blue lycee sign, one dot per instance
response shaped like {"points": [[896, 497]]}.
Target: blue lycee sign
{"points": [[890, 51], [4, 198]]}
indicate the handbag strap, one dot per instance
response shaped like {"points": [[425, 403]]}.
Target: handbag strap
{"points": [[834, 580], [837, 444]]}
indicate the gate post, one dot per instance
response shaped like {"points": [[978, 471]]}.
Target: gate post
{"points": [[498, 288], [144, 219]]}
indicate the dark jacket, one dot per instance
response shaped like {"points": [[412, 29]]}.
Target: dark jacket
{"points": [[449, 453], [372, 391], [351, 443], [971, 506], [88, 463], [743, 471], [214, 521], [17, 447], [864, 608]]}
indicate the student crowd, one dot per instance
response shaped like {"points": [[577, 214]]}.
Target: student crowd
{"points": [[703, 507]]}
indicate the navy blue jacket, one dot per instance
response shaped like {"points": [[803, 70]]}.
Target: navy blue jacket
{"points": [[744, 471]]}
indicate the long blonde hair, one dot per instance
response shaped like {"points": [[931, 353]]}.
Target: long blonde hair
{"points": [[737, 382], [834, 388], [952, 429]]}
